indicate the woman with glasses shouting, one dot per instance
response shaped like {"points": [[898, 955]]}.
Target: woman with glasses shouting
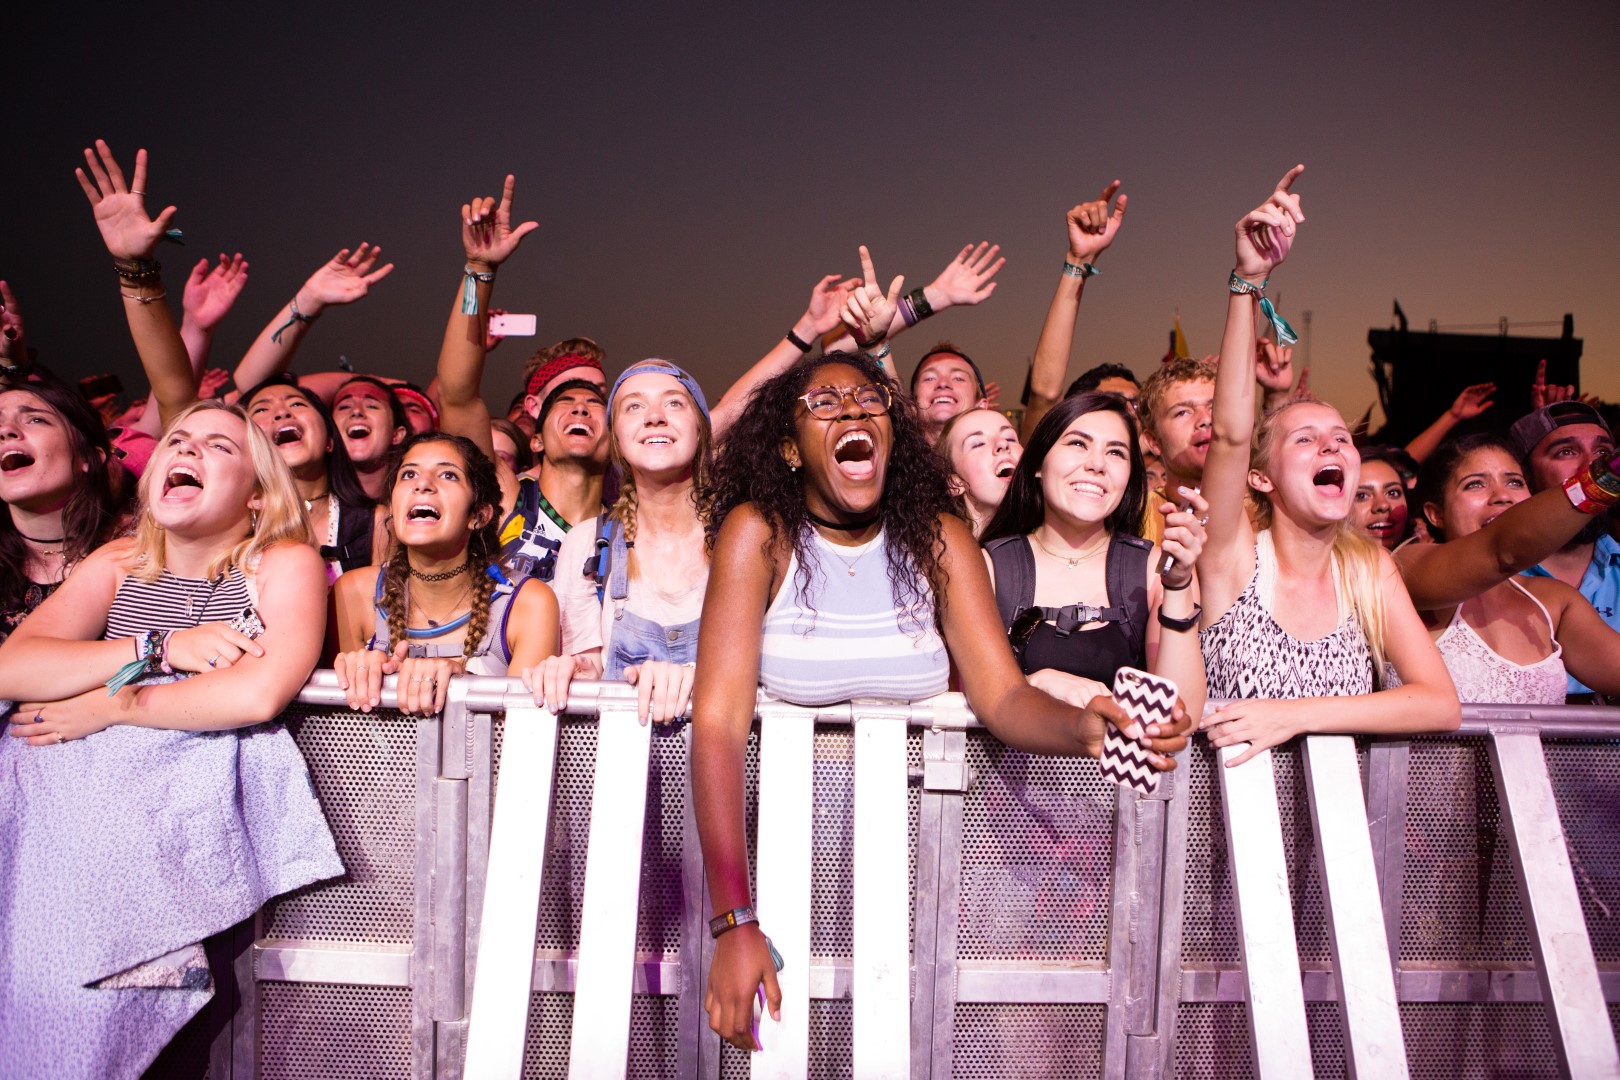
{"points": [[839, 571]]}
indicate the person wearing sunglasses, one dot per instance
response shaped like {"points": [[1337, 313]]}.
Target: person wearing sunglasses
{"points": [[1080, 595], [839, 571]]}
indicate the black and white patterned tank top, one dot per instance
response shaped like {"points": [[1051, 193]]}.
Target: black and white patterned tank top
{"points": [[175, 603], [1247, 654]]}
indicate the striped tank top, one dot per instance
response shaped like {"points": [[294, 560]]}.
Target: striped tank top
{"points": [[844, 636], [176, 603]]}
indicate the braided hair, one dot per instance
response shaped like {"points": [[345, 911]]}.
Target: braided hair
{"points": [[483, 543]]}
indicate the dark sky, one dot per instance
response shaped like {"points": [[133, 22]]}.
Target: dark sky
{"points": [[695, 170]]}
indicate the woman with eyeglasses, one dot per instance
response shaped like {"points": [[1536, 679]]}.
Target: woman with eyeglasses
{"points": [[839, 571], [1080, 595]]}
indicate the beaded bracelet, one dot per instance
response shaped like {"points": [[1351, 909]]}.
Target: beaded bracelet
{"points": [[138, 271], [469, 293]]}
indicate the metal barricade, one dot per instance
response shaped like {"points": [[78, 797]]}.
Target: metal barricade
{"points": [[1046, 923]]}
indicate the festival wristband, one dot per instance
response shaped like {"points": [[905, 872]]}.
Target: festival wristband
{"points": [[1285, 333], [469, 292]]}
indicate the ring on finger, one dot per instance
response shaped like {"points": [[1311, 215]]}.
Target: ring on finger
{"points": [[60, 738], [215, 661]]}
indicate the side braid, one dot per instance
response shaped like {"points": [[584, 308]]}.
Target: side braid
{"points": [[483, 591], [395, 572], [624, 510]]}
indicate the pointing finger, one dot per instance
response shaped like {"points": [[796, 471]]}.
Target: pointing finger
{"points": [[1288, 179], [1108, 192]]}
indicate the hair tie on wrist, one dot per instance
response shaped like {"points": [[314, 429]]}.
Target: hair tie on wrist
{"points": [[1284, 333], [797, 342], [469, 292]]}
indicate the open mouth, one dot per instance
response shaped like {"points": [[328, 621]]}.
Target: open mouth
{"points": [[12, 460], [578, 429], [181, 477], [942, 399], [853, 454], [1005, 470], [422, 512], [1330, 478], [658, 440], [1088, 487], [287, 433], [357, 431]]}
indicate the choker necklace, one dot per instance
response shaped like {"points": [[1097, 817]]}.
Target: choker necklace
{"points": [[843, 526], [1072, 560], [309, 503], [37, 540], [442, 575]]}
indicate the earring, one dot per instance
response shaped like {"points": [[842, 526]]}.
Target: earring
{"points": [[793, 466], [253, 522]]}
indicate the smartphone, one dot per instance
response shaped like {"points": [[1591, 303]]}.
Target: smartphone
{"points": [[512, 325], [1146, 699]]}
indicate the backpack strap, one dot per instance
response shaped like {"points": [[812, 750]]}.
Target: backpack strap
{"points": [[599, 564], [353, 547], [1015, 576], [1127, 585]]}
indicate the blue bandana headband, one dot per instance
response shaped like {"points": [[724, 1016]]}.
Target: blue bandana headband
{"points": [[661, 367]]}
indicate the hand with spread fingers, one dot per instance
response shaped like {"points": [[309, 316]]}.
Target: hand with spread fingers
{"points": [[346, 277], [827, 302], [1266, 233], [120, 207], [210, 293], [663, 690], [1093, 226], [1472, 401], [487, 234], [1260, 723], [966, 278], [869, 311]]}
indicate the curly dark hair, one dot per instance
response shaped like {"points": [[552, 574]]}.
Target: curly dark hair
{"points": [[1024, 507], [748, 468], [483, 544]]}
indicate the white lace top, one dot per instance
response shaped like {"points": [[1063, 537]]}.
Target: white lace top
{"points": [[1484, 675]]}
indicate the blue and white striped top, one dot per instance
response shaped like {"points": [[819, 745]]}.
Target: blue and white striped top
{"points": [[847, 638]]}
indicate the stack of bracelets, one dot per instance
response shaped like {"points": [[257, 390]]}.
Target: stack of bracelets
{"points": [[139, 274]]}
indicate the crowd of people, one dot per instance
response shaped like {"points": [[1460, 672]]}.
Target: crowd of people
{"points": [[828, 529]]}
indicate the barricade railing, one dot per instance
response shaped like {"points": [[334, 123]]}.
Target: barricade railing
{"points": [[525, 896]]}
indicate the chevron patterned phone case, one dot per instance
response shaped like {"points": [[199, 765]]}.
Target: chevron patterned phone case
{"points": [[1147, 699]]}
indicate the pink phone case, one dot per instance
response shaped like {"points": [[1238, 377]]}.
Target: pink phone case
{"points": [[1146, 699]]}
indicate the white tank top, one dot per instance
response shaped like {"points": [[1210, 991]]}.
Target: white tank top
{"points": [[1484, 675]]}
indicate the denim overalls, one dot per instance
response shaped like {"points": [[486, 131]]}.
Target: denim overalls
{"points": [[635, 639]]}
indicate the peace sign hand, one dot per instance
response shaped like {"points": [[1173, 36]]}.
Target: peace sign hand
{"points": [[1092, 227], [869, 312], [486, 228], [1266, 233], [120, 208]]}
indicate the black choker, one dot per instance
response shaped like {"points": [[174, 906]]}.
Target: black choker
{"points": [[844, 526], [37, 540], [443, 575]]}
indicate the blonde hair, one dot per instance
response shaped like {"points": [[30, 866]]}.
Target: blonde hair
{"points": [[1357, 559], [280, 518], [624, 510]]}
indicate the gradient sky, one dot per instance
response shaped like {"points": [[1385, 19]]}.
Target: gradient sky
{"points": [[696, 170]]}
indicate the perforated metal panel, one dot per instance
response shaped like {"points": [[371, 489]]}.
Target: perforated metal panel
{"points": [[654, 1037], [1037, 850], [1586, 783], [321, 1031], [186, 1056], [1057, 1041], [1460, 903], [832, 1035], [364, 770], [1212, 1041], [832, 881], [1484, 1041]]}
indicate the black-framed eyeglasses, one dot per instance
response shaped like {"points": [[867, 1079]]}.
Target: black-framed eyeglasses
{"points": [[826, 402]]}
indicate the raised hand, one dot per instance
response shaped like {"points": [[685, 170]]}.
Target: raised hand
{"points": [[966, 278], [120, 208], [13, 339], [212, 383], [1266, 233], [1275, 371], [1543, 393], [1303, 390], [869, 312], [1092, 226], [827, 301], [1472, 401], [347, 277], [487, 234], [491, 338], [992, 395], [211, 292]]}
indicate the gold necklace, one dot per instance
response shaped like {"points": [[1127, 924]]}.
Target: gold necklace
{"points": [[1072, 560]]}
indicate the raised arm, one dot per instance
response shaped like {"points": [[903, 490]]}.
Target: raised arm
{"points": [[1440, 575], [13, 338], [1470, 403], [346, 277], [131, 236], [1091, 228], [1264, 236], [488, 239], [869, 312], [826, 301], [209, 295], [966, 280]]}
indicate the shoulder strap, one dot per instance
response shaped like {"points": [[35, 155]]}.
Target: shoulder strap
{"points": [[599, 563], [1127, 585], [1015, 576]]}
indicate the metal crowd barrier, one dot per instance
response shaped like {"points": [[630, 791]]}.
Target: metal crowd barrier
{"points": [[1432, 907]]}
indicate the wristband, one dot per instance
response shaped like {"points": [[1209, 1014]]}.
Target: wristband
{"points": [[163, 654], [1081, 271], [919, 302], [293, 316], [138, 271], [908, 311], [1181, 625], [881, 353], [148, 652], [1285, 333], [1167, 587], [731, 920], [868, 346], [798, 342], [469, 293]]}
